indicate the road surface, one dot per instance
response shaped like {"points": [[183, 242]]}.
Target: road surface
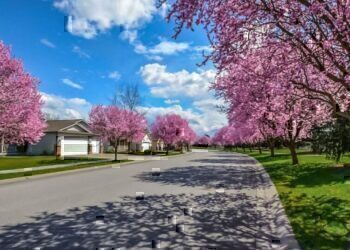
{"points": [[203, 200]]}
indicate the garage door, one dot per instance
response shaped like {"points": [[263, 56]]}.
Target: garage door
{"points": [[75, 146], [95, 146]]}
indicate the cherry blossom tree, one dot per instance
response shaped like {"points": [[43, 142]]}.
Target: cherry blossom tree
{"points": [[203, 140], [172, 130], [21, 119], [225, 136], [187, 137], [137, 126], [316, 34], [114, 124], [272, 106]]}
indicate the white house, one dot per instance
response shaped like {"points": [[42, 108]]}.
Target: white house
{"points": [[145, 144], [63, 138], [67, 137]]}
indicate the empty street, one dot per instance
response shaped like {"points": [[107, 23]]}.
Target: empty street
{"points": [[199, 200]]}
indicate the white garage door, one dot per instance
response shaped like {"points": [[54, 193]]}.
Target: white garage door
{"points": [[75, 146], [95, 146]]}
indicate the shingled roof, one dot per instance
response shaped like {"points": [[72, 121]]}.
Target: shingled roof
{"points": [[59, 125]]}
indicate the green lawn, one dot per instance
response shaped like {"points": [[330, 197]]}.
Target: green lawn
{"points": [[15, 162], [81, 166], [316, 196]]}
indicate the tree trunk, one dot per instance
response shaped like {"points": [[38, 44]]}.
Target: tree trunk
{"points": [[293, 152], [2, 147], [116, 151], [243, 149], [271, 143], [167, 149], [129, 146], [259, 148]]}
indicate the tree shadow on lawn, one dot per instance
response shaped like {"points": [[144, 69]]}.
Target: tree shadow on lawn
{"points": [[270, 159], [222, 221], [308, 175], [267, 158], [319, 222]]}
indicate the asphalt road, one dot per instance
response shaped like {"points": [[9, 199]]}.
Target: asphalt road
{"points": [[201, 200]]}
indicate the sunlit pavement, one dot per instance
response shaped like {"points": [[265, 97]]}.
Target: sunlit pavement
{"points": [[199, 200]]}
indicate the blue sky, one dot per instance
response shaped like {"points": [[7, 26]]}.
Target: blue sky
{"points": [[80, 50]]}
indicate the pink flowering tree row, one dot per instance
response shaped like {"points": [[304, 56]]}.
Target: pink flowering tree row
{"points": [[21, 119], [283, 66], [271, 107], [114, 124], [312, 37], [173, 130]]}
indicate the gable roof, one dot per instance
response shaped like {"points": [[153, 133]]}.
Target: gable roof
{"points": [[61, 125]]}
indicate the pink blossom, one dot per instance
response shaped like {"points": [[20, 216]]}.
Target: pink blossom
{"points": [[173, 129], [21, 119], [114, 124]]}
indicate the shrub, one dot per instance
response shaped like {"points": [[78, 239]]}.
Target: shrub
{"points": [[147, 152]]}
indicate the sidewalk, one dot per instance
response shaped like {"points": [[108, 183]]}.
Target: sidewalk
{"points": [[22, 170], [104, 158]]}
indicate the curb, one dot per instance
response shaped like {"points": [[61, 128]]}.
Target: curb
{"points": [[279, 225]]}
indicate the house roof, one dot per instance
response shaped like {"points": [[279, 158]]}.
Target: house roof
{"points": [[63, 125]]}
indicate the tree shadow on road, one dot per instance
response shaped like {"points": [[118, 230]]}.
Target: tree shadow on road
{"points": [[209, 177], [231, 172], [219, 221]]}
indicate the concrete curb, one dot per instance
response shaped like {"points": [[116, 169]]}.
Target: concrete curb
{"points": [[279, 226], [92, 168]]}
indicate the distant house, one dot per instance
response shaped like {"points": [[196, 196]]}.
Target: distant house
{"points": [[63, 137], [145, 144], [157, 145]]}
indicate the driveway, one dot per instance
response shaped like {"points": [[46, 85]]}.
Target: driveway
{"points": [[200, 200]]}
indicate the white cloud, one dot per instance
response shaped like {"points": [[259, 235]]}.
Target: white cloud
{"points": [[164, 47], [115, 75], [204, 121], [212, 118], [163, 10], [168, 48], [77, 50], [88, 18], [154, 58], [71, 83], [130, 35], [181, 83], [172, 101], [203, 48], [204, 115], [65, 108], [47, 43]]}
